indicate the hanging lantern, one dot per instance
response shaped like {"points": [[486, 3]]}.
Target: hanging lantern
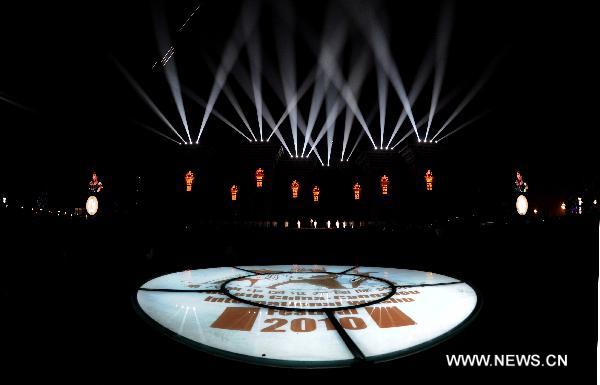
{"points": [[385, 181], [429, 180], [316, 193], [189, 180], [260, 174], [295, 187], [234, 191], [356, 189]]}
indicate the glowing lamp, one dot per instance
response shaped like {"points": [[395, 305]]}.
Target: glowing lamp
{"points": [[189, 180], [91, 206], [356, 189], [295, 187], [234, 190], [316, 192], [429, 180], [385, 181], [563, 206], [522, 205], [260, 175]]}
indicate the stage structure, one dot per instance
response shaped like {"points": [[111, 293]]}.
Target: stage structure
{"points": [[307, 316]]}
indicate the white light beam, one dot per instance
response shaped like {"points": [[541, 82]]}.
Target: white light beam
{"points": [[443, 38], [146, 98], [248, 18], [476, 88]]}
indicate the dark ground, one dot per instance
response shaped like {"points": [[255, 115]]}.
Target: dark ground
{"points": [[68, 291]]}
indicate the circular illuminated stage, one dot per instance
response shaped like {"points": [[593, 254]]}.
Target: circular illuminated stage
{"points": [[307, 316]]}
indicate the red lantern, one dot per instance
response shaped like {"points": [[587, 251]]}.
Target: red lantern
{"points": [[429, 180], [189, 180], [295, 187], [356, 189], [234, 191], [316, 193], [385, 181], [260, 174]]}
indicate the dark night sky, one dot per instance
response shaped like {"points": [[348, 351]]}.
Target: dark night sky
{"points": [[57, 61]]}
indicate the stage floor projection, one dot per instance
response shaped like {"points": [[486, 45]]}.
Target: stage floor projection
{"points": [[307, 316]]}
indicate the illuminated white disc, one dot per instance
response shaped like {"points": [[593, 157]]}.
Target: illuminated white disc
{"points": [[309, 316], [522, 205], [91, 206]]}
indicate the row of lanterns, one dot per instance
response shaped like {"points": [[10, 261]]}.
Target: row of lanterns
{"points": [[384, 183]]}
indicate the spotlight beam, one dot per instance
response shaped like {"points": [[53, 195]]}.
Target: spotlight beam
{"points": [[327, 60], [242, 77], [170, 69], [302, 126], [333, 110], [476, 88], [284, 29], [155, 131], [332, 72], [421, 77], [315, 106], [254, 57], [236, 105], [333, 105], [248, 17], [232, 99], [10, 101], [382, 93], [470, 121], [310, 79], [362, 133], [380, 46], [443, 103], [333, 42], [356, 80], [216, 113], [420, 123], [271, 122], [146, 98], [441, 52], [277, 86]]}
